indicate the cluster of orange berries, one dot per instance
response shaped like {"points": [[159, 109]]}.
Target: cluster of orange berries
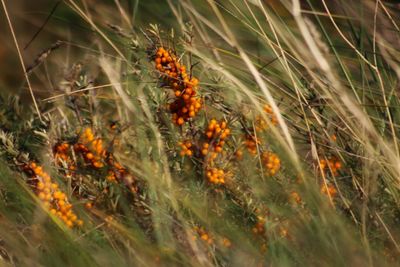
{"points": [[89, 205], [226, 242], [91, 149], [216, 176], [61, 156], [187, 104], [186, 148], [52, 197], [96, 156], [271, 162], [208, 239], [329, 190], [259, 227], [116, 169], [251, 142], [332, 164], [295, 197], [239, 154], [203, 235], [216, 132], [261, 124], [95, 153]]}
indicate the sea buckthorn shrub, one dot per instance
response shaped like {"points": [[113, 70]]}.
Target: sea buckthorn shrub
{"points": [[206, 143], [62, 158], [295, 197], [257, 142], [251, 143], [216, 134], [203, 235], [330, 165], [91, 149], [271, 162], [255, 185], [95, 156], [329, 190], [208, 239], [216, 176], [53, 199], [174, 76], [186, 148], [261, 124], [259, 226], [215, 137]]}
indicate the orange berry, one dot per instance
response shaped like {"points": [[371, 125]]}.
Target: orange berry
{"points": [[40, 185], [38, 170], [69, 223], [180, 121], [73, 217], [98, 164], [48, 196], [194, 81], [89, 205], [46, 177], [188, 91], [226, 242], [42, 196], [32, 165], [338, 165]]}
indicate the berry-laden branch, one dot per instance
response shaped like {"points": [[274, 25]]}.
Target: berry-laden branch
{"points": [[173, 75], [52, 197]]}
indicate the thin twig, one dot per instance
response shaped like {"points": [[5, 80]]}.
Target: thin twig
{"points": [[43, 25]]}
